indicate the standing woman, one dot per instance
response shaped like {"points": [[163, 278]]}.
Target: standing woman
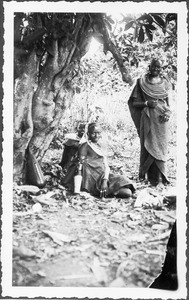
{"points": [[150, 111]]}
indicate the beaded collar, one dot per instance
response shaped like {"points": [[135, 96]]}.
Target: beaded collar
{"points": [[96, 148], [154, 90]]}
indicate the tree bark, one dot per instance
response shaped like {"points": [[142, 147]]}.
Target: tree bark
{"points": [[23, 125]]}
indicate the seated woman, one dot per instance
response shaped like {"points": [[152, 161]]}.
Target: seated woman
{"points": [[96, 176]]}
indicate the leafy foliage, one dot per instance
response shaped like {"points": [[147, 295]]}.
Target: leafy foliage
{"points": [[39, 30], [147, 34]]}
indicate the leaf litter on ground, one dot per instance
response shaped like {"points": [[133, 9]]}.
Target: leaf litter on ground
{"points": [[99, 272], [59, 238], [97, 225], [23, 252]]}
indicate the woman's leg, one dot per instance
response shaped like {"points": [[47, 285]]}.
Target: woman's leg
{"points": [[124, 193], [154, 174]]}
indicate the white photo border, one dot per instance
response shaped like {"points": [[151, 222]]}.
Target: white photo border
{"points": [[7, 150]]}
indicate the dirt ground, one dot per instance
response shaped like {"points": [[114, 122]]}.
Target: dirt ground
{"points": [[62, 240]]}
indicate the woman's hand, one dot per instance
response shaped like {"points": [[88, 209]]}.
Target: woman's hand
{"points": [[152, 103], [164, 118], [104, 187]]}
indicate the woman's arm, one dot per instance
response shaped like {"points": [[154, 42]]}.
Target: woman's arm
{"points": [[107, 169], [82, 152], [169, 98], [150, 104], [139, 104]]}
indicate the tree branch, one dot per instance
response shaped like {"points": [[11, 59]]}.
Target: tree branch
{"points": [[109, 45]]}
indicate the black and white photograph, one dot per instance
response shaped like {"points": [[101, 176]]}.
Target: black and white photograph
{"points": [[94, 150]]}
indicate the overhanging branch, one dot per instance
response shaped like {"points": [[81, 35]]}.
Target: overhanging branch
{"points": [[109, 45]]}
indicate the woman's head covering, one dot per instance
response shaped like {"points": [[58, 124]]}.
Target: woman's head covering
{"points": [[81, 129], [91, 126], [156, 60]]}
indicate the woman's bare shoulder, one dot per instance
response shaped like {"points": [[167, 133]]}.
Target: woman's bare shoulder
{"points": [[83, 148], [84, 145]]}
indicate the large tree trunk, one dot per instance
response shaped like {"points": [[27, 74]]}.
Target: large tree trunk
{"points": [[49, 101], [23, 123], [40, 102], [38, 109]]}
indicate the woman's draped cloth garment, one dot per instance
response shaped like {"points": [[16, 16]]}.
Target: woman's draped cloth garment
{"points": [[153, 133], [95, 168]]}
